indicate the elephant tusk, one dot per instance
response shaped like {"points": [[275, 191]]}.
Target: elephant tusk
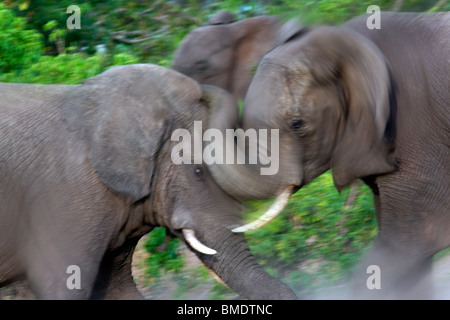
{"points": [[276, 208], [189, 236]]}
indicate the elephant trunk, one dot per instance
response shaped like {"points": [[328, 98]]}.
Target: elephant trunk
{"points": [[245, 276], [247, 181], [237, 176]]}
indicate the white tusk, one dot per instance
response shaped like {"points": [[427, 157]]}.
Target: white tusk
{"points": [[189, 236], [276, 208]]}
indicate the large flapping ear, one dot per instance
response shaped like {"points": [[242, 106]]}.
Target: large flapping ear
{"points": [[252, 38], [125, 115], [362, 149], [222, 17], [256, 29], [289, 30]]}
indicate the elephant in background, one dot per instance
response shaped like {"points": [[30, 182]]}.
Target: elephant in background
{"points": [[370, 105], [225, 53], [86, 170]]}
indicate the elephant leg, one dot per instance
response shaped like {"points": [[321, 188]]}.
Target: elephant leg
{"points": [[402, 254], [115, 280], [389, 273], [54, 274]]}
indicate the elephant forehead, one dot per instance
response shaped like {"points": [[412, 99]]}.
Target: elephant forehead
{"points": [[210, 38], [144, 81], [136, 73], [291, 56], [288, 80], [132, 71], [272, 94]]}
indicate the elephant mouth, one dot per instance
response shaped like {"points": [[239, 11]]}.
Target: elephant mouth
{"points": [[275, 209]]}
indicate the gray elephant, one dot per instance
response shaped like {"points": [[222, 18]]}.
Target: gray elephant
{"points": [[86, 170], [371, 105], [225, 53]]}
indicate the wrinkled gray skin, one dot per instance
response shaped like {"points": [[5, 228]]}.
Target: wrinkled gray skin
{"points": [[369, 104], [225, 53], [86, 170]]}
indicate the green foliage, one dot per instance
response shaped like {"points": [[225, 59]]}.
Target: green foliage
{"points": [[23, 60], [316, 240], [124, 58], [164, 254], [188, 280], [149, 30], [220, 292], [19, 46], [66, 68], [333, 12]]}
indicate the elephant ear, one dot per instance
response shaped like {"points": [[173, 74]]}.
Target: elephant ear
{"points": [[125, 115], [289, 30], [252, 39], [365, 144], [222, 17], [258, 35]]}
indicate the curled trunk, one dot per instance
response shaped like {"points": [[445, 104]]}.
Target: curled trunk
{"points": [[247, 181], [242, 181]]}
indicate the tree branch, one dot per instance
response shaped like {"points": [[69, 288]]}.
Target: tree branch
{"points": [[124, 36]]}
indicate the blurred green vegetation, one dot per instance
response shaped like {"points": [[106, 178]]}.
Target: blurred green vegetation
{"points": [[36, 46], [318, 239]]}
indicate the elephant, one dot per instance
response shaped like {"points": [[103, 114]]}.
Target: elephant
{"points": [[86, 170], [369, 104], [225, 52]]}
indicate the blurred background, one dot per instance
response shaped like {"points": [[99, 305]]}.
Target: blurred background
{"points": [[317, 241]]}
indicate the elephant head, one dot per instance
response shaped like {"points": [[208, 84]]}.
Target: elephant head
{"points": [[329, 93], [224, 53], [127, 116]]}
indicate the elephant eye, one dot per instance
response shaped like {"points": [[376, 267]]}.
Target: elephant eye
{"points": [[296, 124], [201, 66], [198, 172]]}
